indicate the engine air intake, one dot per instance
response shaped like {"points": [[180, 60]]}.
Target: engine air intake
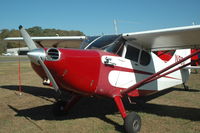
{"points": [[53, 54]]}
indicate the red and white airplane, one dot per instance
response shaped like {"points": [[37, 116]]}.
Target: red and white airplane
{"points": [[116, 66]]}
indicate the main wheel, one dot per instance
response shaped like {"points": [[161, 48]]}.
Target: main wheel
{"points": [[132, 123], [58, 108]]}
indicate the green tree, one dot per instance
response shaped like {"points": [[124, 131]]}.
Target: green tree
{"points": [[34, 31], [4, 33]]}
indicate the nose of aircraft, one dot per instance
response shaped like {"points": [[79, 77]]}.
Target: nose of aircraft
{"points": [[35, 54]]}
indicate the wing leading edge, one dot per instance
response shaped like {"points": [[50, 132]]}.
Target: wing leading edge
{"points": [[60, 41], [48, 38], [166, 39]]}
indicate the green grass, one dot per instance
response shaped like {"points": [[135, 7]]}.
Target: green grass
{"points": [[11, 58], [175, 112]]}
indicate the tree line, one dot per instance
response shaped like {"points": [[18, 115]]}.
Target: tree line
{"points": [[33, 31]]}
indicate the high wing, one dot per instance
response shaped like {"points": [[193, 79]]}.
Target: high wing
{"points": [[52, 41], [166, 39]]}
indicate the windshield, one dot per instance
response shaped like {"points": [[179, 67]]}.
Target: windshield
{"points": [[110, 43], [117, 46], [98, 42], [87, 41]]}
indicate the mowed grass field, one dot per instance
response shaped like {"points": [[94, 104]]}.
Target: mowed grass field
{"points": [[178, 111]]}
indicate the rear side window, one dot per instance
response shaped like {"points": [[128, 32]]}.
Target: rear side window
{"points": [[132, 53], [165, 55], [145, 58]]}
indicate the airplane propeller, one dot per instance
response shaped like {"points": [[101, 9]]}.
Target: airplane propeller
{"points": [[29, 42], [55, 86], [37, 56]]}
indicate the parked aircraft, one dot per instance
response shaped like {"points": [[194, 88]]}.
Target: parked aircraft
{"points": [[116, 66]]}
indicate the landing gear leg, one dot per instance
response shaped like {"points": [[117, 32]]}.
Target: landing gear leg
{"points": [[62, 107], [132, 122], [186, 88]]}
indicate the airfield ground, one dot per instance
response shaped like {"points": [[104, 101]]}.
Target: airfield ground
{"points": [[176, 112]]}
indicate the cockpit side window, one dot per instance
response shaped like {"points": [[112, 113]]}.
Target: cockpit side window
{"points": [[132, 53], [165, 55], [137, 55], [145, 58]]}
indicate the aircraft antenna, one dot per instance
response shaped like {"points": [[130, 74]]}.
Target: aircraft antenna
{"points": [[115, 26]]}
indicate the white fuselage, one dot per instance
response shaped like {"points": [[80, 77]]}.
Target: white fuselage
{"points": [[132, 71]]}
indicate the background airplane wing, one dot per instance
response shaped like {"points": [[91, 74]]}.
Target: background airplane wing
{"points": [[53, 41], [166, 39]]}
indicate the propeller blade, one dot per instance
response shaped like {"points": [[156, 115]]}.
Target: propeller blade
{"points": [[29, 42], [50, 77]]}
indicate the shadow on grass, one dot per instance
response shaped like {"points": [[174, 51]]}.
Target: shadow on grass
{"points": [[145, 99], [87, 107], [99, 107], [35, 91]]}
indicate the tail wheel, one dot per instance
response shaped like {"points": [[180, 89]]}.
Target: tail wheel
{"points": [[132, 123]]}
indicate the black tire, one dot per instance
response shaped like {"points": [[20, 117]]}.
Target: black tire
{"points": [[58, 108], [132, 123]]}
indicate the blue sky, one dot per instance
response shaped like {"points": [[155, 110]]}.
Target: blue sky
{"points": [[94, 17]]}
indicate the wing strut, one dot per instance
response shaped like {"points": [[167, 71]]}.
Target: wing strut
{"points": [[160, 74]]}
